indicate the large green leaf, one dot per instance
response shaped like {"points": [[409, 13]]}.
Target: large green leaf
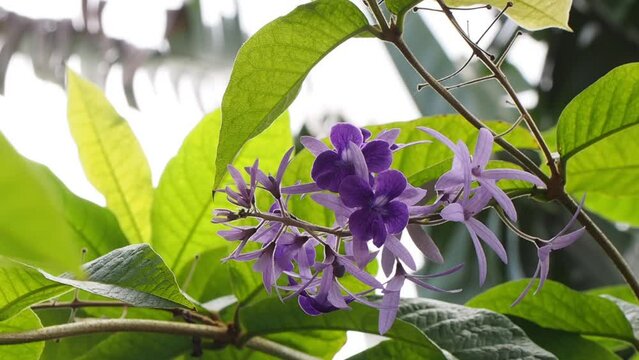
{"points": [[529, 14], [608, 106], [24, 321], [270, 316], [95, 228], [558, 307], [183, 205], [622, 209], [270, 67], [565, 345], [22, 286], [464, 332], [32, 220], [111, 156], [134, 274]]}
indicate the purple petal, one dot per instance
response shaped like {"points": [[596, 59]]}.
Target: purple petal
{"points": [[327, 171], [463, 156], [360, 274], [563, 241], [428, 286], [512, 174], [439, 136], [388, 261], [483, 149], [501, 198], [353, 155], [360, 252], [306, 303], [453, 212], [237, 177], [395, 246], [390, 184], [335, 296], [388, 312], [343, 134], [420, 211], [366, 134], [489, 238], [365, 224], [454, 269], [411, 195], [332, 202], [481, 256], [355, 192], [313, 145], [378, 155], [425, 243], [301, 189], [544, 268], [395, 217], [283, 164], [527, 289], [451, 181], [390, 136]]}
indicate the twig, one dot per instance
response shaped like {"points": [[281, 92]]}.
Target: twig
{"points": [[277, 350]]}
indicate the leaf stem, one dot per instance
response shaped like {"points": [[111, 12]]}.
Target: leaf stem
{"points": [[605, 243]]}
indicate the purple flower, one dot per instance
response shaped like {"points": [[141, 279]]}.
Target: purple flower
{"points": [[378, 214], [296, 247], [273, 184], [466, 168], [390, 299], [463, 212], [559, 241], [329, 296], [245, 197], [351, 155]]}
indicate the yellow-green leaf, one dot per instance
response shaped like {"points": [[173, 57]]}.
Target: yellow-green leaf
{"points": [[529, 14], [26, 320], [112, 157]]}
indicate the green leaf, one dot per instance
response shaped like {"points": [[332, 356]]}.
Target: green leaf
{"points": [[621, 209], [393, 349], [183, 204], [529, 14], [401, 6], [608, 106], [271, 65], [630, 310], [565, 345], [469, 333], [622, 292], [134, 274], [111, 156], [31, 216], [558, 307], [22, 287], [270, 316], [95, 228], [26, 320]]}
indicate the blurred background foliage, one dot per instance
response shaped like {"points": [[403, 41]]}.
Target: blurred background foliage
{"points": [[605, 35]]}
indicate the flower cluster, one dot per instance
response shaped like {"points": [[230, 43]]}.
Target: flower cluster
{"points": [[373, 205]]}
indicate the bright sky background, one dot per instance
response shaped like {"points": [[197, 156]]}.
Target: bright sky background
{"points": [[33, 112]]}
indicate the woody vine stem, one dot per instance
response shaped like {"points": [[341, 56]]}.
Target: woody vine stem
{"points": [[392, 32]]}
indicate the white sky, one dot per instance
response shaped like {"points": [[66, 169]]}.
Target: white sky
{"points": [[33, 112]]}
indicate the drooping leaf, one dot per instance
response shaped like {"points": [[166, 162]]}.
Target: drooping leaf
{"points": [[630, 310], [32, 220], [466, 333], [608, 106], [529, 14], [24, 321], [565, 345], [134, 274], [558, 307], [111, 156], [22, 287], [272, 64], [257, 321], [183, 206]]}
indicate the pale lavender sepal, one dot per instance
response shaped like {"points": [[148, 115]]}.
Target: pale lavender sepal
{"points": [[313, 145], [512, 174], [399, 250], [301, 189], [425, 243], [489, 238]]}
